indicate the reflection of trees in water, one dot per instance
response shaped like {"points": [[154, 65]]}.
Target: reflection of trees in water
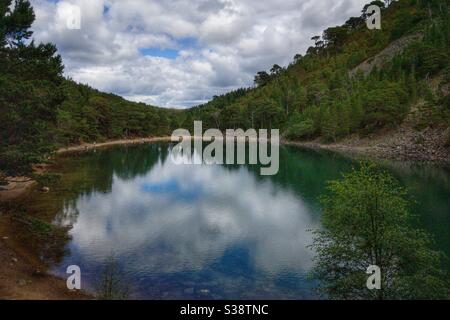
{"points": [[95, 171], [83, 175], [307, 171], [134, 161], [304, 171], [112, 283], [439, 174], [428, 185], [68, 216]]}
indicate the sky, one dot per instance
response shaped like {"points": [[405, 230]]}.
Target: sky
{"points": [[180, 53]]}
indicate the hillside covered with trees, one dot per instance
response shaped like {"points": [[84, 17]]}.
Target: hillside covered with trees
{"points": [[41, 110], [324, 94]]}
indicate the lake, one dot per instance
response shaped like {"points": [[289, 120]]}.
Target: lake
{"points": [[208, 231]]}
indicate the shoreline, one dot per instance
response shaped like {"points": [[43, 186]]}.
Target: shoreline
{"points": [[371, 147], [400, 147], [90, 146], [23, 276], [16, 188], [370, 152], [401, 144]]}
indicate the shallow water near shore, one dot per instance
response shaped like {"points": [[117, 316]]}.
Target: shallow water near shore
{"points": [[207, 231]]}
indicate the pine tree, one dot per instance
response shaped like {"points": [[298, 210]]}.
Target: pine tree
{"points": [[329, 125]]}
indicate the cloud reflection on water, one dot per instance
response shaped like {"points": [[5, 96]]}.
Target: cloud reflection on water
{"points": [[180, 218]]}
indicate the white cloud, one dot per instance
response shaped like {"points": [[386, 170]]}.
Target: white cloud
{"points": [[221, 44]]}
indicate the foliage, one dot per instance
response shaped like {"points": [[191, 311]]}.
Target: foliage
{"points": [[304, 129], [40, 110], [30, 76], [46, 179], [40, 226], [89, 115], [316, 96], [366, 222]]}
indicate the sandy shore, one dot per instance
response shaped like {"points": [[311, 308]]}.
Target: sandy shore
{"points": [[90, 146]]}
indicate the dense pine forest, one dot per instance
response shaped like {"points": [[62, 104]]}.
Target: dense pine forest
{"points": [[339, 87], [324, 93], [41, 110]]}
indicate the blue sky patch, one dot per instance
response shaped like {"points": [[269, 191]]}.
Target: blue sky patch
{"points": [[184, 43], [156, 52]]}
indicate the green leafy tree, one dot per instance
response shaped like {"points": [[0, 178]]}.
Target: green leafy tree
{"points": [[112, 285], [367, 222], [335, 36]]}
